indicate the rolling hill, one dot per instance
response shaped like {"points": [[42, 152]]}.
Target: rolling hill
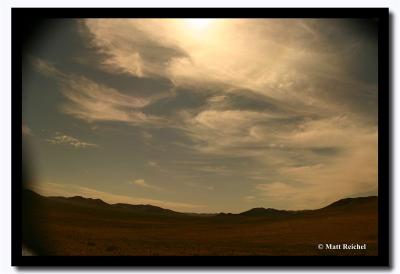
{"points": [[86, 226]]}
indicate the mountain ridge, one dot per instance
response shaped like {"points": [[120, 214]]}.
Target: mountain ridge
{"points": [[152, 209]]}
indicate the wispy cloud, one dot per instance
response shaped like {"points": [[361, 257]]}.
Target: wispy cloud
{"points": [[290, 60], [293, 61], [200, 186], [90, 101], [249, 198], [153, 164], [142, 183], [63, 139], [93, 102], [352, 173], [46, 68], [131, 48], [215, 169], [295, 106]]}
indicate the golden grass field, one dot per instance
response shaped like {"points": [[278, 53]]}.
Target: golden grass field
{"points": [[53, 227]]}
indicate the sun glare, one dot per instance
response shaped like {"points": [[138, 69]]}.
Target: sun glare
{"points": [[199, 24]]}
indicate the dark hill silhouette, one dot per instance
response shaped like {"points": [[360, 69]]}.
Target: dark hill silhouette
{"points": [[260, 211], [82, 201], [348, 203], [149, 209], [29, 194], [343, 204], [359, 203]]}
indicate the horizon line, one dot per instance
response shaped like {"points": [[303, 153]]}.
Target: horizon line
{"points": [[215, 213]]}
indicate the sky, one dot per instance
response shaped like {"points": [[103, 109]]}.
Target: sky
{"points": [[202, 115]]}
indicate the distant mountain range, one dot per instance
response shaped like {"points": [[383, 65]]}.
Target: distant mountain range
{"points": [[29, 195], [351, 204]]}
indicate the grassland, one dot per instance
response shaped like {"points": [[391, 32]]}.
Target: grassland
{"points": [[60, 227]]}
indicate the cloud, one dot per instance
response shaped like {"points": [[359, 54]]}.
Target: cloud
{"points": [[287, 98], [46, 68], [67, 190], [276, 192], [293, 59], [142, 183], [200, 186], [27, 131], [320, 162], [146, 135], [316, 160], [354, 172], [63, 139], [215, 169], [249, 198], [91, 101], [240, 133], [153, 164], [133, 46]]}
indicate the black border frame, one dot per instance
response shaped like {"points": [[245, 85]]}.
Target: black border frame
{"points": [[21, 15]]}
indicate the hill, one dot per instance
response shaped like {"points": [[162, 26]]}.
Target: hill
{"points": [[85, 226], [343, 204], [260, 211], [353, 203], [79, 201]]}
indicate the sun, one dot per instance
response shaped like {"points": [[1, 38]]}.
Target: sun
{"points": [[198, 24]]}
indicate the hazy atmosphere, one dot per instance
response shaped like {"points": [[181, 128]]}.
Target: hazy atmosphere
{"points": [[202, 115]]}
